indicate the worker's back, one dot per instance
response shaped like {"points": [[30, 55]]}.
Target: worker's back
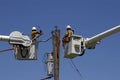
{"points": [[33, 33]]}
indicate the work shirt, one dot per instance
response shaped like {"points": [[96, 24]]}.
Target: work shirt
{"points": [[69, 33], [66, 37], [34, 33]]}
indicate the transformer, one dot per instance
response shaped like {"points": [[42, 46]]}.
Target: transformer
{"points": [[50, 64]]}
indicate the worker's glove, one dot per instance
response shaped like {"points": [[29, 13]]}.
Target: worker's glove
{"points": [[41, 32]]}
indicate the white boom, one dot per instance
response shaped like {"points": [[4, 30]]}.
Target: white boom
{"points": [[16, 37], [91, 42], [4, 38]]}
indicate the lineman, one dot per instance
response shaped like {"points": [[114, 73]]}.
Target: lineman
{"points": [[35, 34], [67, 35]]}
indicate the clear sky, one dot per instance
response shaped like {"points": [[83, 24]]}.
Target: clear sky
{"points": [[87, 18]]}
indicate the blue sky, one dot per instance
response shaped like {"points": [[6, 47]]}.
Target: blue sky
{"points": [[87, 18]]}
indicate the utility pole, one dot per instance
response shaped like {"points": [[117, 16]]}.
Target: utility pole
{"points": [[56, 52]]}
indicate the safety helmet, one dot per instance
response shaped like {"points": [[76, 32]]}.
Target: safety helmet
{"points": [[33, 28], [68, 27]]}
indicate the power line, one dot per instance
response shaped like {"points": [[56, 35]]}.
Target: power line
{"points": [[75, 67], [7, 50], [45, 40]]}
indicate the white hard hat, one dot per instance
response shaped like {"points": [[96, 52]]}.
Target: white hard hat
{"points": [[68, 27], [33, 28]]}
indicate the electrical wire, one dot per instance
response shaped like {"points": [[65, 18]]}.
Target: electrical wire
{"points": [[7, 50], [52, 32], [45, 40], [49, 77], [44, 61], [75, 67]]}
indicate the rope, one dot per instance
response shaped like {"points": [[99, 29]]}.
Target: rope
{"points": [[7, 50]]}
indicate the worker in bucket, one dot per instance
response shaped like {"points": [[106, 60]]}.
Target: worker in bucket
{"points": [[35, 34], [67, 35]]}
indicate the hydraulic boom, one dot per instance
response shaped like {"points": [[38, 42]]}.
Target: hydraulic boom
{"points": [[90, 43], [4, 38], [78, 44]]}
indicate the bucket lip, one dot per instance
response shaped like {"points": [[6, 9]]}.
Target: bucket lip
{"points": [[76, 36]]}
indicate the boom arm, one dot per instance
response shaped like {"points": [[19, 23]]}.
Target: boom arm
{"points": [[16, 38], [91, 42], [4, 38]]}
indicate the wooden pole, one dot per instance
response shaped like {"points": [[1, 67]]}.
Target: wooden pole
{"points": [[56, 53]]}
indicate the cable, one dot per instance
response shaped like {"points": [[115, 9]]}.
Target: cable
{"points": [[7, 50], [52, 32], [45, 40], [49, 77], [75, 67], [44, 60]]}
